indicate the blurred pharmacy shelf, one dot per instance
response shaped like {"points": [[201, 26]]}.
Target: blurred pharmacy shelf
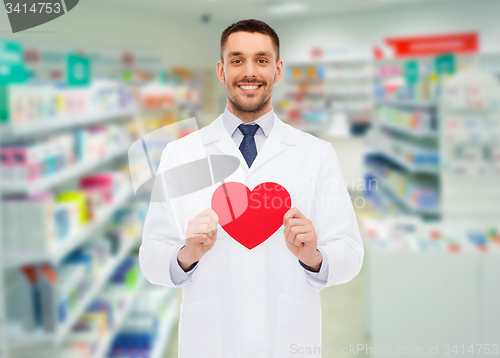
{"points": [[106, 342], [405, 137], [115, 113], [331, 95], [13, 131], [349, 84], [412, 104], [21, 340], [166, 328], [417, 268], [419, 134], [71, 172], [2, 304], [470, 147], [407, 165], [403, 201], [78, 145], [490, 63], [98, 120], [76, 239]]}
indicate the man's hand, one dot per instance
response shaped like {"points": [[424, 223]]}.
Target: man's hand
{"points": [[201, 234], [301, 238]]}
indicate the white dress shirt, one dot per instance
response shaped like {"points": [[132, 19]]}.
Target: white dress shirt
{"points": [[231, 124]]}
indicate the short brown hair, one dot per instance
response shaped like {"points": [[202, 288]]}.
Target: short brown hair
{"points": [[252, 26]]}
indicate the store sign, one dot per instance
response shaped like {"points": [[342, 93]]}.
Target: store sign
{"points": [[11, 63], [78, 70], [434, 45], [446, 64], [411, 72]]}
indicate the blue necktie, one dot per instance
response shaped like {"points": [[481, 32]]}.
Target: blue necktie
{"points": [[247, 146]]}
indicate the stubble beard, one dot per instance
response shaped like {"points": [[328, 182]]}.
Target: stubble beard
{"points": [[243, 107]]}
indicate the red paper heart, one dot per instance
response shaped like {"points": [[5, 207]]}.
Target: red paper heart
{"points": [[251, 217]]}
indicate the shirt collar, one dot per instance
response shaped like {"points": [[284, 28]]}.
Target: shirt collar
{"points": [[231, 122]]}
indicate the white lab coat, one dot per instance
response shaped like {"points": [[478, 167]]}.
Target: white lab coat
{"points": [[243, 303]]}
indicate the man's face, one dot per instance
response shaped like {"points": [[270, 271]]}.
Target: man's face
{"points": [[249, 70]]}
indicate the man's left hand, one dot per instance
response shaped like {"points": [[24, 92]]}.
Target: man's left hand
{"points": [[301, 238]]}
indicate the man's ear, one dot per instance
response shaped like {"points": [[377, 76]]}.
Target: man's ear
{"points": [[220, 71], [279, 71]]}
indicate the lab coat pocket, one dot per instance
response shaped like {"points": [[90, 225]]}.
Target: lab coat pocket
{"points": [[298, 328], [200, 329]]}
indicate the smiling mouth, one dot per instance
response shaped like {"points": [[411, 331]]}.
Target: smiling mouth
{"points": [[249, 88]]}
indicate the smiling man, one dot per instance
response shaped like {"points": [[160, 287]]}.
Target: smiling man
{"points": [[249, 85], [263, 301]]}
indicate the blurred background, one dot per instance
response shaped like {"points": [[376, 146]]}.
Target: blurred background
{"points": [[407, 92]]}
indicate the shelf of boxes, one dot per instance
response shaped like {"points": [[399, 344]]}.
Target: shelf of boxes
{"points": [[396, 196], [45, 108], [2, 309], [71, 172], [105, 342], [26, 126], [148, 326], [412, 158], [471, 272], [471, 155], [406, 131], [3, 346], [490, 63], [38, 343], [410, 104], [166, 328], [120, 317], [402, 200], [319, 91], [13, 131], [21, 340], [409, 166], [455, 257], [75, 239], [418, 134], [350, 88]]}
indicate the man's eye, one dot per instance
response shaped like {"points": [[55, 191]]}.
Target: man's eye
{"points": [[236, 61], [262, 61]]}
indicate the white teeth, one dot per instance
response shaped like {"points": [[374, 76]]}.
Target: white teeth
{"points": [[249, 87]]}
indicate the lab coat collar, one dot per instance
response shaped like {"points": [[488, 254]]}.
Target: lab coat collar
{"points": [[281, 134], [232, 122], [216, 131]]}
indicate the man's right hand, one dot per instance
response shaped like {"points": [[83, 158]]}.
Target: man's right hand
{"points": [[201, 234]]}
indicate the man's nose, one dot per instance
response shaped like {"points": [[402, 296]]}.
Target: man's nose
{"points": [[250, 70]]}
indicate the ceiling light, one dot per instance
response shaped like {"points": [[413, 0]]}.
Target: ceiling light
{"points": [[284, 9]]}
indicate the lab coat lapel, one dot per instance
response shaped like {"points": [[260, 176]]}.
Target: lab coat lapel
{"points": [[280, 136], [215, 132]]}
